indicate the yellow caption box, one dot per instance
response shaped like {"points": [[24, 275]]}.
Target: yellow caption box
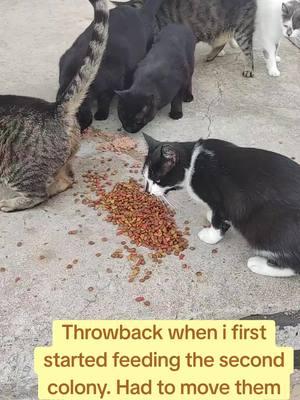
{"points": [[164, 359]]}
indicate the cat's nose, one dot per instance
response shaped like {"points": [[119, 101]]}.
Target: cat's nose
{"points": [[289, 31]]}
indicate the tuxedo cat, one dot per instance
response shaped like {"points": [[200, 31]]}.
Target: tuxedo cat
{"points": [[163, 77], [130, 35], [255, 191]]}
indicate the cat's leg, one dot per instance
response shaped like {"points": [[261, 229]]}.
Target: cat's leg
{"points": [[270, 58], [215, 52], [62, 181], [278, 58], [84, 115], [263, 266], [104, 99], [20, 202], [215, 233], [188, 92], [245, 42], [176, 106]]}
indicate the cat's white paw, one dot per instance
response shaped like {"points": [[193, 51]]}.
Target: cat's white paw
{"points": [[274, 71], [278, 59], [259, 265], [210, 235], [222, 53], [209, 215], [233, 43]]}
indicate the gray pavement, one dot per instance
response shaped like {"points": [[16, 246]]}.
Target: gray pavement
{"points": [[35, 247]]}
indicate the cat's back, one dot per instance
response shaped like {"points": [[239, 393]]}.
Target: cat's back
{"points": [[15, 106]]}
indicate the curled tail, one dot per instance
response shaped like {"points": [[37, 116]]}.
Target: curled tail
{"points": [[71, 99]]}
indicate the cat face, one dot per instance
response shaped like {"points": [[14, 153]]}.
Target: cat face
{"points": [[162, 169], [290, 17], [135, 110]]}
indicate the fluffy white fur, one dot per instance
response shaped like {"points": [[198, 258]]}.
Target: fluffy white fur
{"points": [[269, 31]]}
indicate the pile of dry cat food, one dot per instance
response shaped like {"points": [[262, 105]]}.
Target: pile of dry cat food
{"points": [[144, 218]]}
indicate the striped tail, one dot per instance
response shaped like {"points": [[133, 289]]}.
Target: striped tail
{"points": [[72, 98]]}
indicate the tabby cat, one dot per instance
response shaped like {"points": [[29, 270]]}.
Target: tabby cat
{"points": [[213, 22], [39, 139], [256, 191]]}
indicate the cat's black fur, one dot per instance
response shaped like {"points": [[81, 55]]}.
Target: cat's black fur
{"points": [[130, 36], [212, 21], [163, 77], [257, 191]]}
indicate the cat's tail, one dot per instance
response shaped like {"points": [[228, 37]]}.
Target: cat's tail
{"points": [[70, 100]]}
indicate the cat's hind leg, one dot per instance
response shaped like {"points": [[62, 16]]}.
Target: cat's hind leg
{"points": [[245, 42], [62, 181], [270, 51], [215, 233], [263, 266]]}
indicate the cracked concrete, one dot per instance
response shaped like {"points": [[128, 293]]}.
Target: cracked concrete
{"points": [[35, 248]]}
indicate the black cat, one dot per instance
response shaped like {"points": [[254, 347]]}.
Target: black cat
{"points": [[130, 37], [256, 191], [163, 77]]}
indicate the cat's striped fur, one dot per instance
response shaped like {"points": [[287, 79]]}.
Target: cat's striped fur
{"points": [[39, 139], [213, 22]]}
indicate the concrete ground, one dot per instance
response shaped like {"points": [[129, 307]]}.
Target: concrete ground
{"points": [[40, 281]]}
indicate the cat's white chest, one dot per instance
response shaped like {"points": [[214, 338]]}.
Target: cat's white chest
{"points": [[189, 175]]}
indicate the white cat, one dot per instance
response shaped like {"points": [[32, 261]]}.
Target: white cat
{"points": [[269, 32]]}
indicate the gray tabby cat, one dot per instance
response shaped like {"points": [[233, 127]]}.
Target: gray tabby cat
{"points": [[213, 22], [39, 139]]}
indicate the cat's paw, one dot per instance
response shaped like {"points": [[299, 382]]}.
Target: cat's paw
{"points": [[176, 115], [278, 59], [261, 266], [248, 73], [101, 115], [210, 235], [188, 98], [274, 71]]}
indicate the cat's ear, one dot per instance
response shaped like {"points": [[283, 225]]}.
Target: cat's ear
{"points": [[169, 153], [152, 143], [284, 8]]}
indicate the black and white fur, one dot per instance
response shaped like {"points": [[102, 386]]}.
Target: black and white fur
{"points": [[163, 77], [255, 191]]}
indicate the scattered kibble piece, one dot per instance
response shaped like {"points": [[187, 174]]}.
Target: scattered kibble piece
{"points": [[73, 232], [140, 299], [17, 279], [19, 244], [199, 273], [214, 251], [69, 266], [147, 303], [2, 269], [91, 243], [104, 239], [98, 254], [90, 289], [75, 261], [42, 257]]}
